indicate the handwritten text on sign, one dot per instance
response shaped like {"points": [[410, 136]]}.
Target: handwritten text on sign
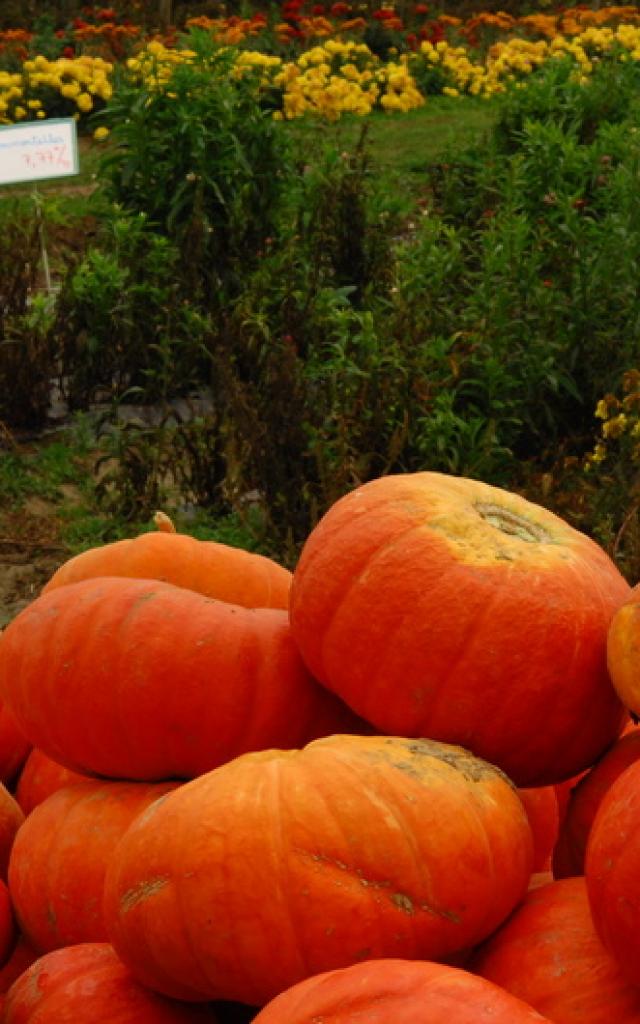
{"points": [[36, 150]]}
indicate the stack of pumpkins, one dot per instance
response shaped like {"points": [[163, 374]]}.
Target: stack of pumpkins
{"points": [[397, 786]]}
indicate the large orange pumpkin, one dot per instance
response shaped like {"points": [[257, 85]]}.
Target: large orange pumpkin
{"points": [[612, 870], [549, 955], [584, 801], [137, 679], [61, 854], [87, 984], [282, 864], [397, 992], [208, 567], [444, 607]]}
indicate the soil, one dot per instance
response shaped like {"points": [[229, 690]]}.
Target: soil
{"points": [[30, 551]]}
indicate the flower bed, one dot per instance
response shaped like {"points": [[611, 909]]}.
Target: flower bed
{"points": [[324, 62]]}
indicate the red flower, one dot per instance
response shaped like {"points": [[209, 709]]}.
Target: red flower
{"points": [[68, 51], [339, 9], [421, 8], [412, 41], [317, 9], [383, 13], [432, 31]]}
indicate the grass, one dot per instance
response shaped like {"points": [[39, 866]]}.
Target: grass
{"points": [[403, 145], [406, 144], [52, 484]]}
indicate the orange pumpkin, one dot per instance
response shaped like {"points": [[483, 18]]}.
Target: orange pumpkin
{"points": [[400, 991], [14, 746], [216, 570], [444, 607], [584, 801], [548, 954], [87, 984], [541, 805], [354, 848], [136, 679], [11, 818], [612, 871], [40, 777], [61, 854], [22, 956], [8, 930], [623, 650]]}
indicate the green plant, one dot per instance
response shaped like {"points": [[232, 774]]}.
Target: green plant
{"points": [[203, 161], [26, 357], [121, 322]]}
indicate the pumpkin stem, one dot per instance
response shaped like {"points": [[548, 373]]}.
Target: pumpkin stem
{"points": [[510, 522], [163, 523]]}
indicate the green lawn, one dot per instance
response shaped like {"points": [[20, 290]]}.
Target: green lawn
{"points": [[402, 145]]}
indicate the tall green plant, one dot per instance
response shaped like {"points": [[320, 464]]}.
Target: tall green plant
{"points": [[197, 154], [121, 322]]}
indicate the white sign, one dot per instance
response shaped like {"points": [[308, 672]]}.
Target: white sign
{"points": [[37, 150]]}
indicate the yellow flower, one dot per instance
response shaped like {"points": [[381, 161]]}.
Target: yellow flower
{"points": [[100, 134], [601, 410], [614, 427], [84, 102], [70, 90], [598, 454]]}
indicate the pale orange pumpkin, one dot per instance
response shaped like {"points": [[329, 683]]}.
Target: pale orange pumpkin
{"points": [[216, 570]]}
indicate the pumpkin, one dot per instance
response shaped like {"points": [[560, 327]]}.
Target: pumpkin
{"points": [[87, 984], [396, 990], [8, 930], [11, 818], [60, 857], [541, 805], [585, 799], [216, 570], [14, 746], [548, 954], [563, 794], [135, 679], [612, 871], [40, 777], [22, 956], [441, 606], [354, 848], [623, 647]]}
